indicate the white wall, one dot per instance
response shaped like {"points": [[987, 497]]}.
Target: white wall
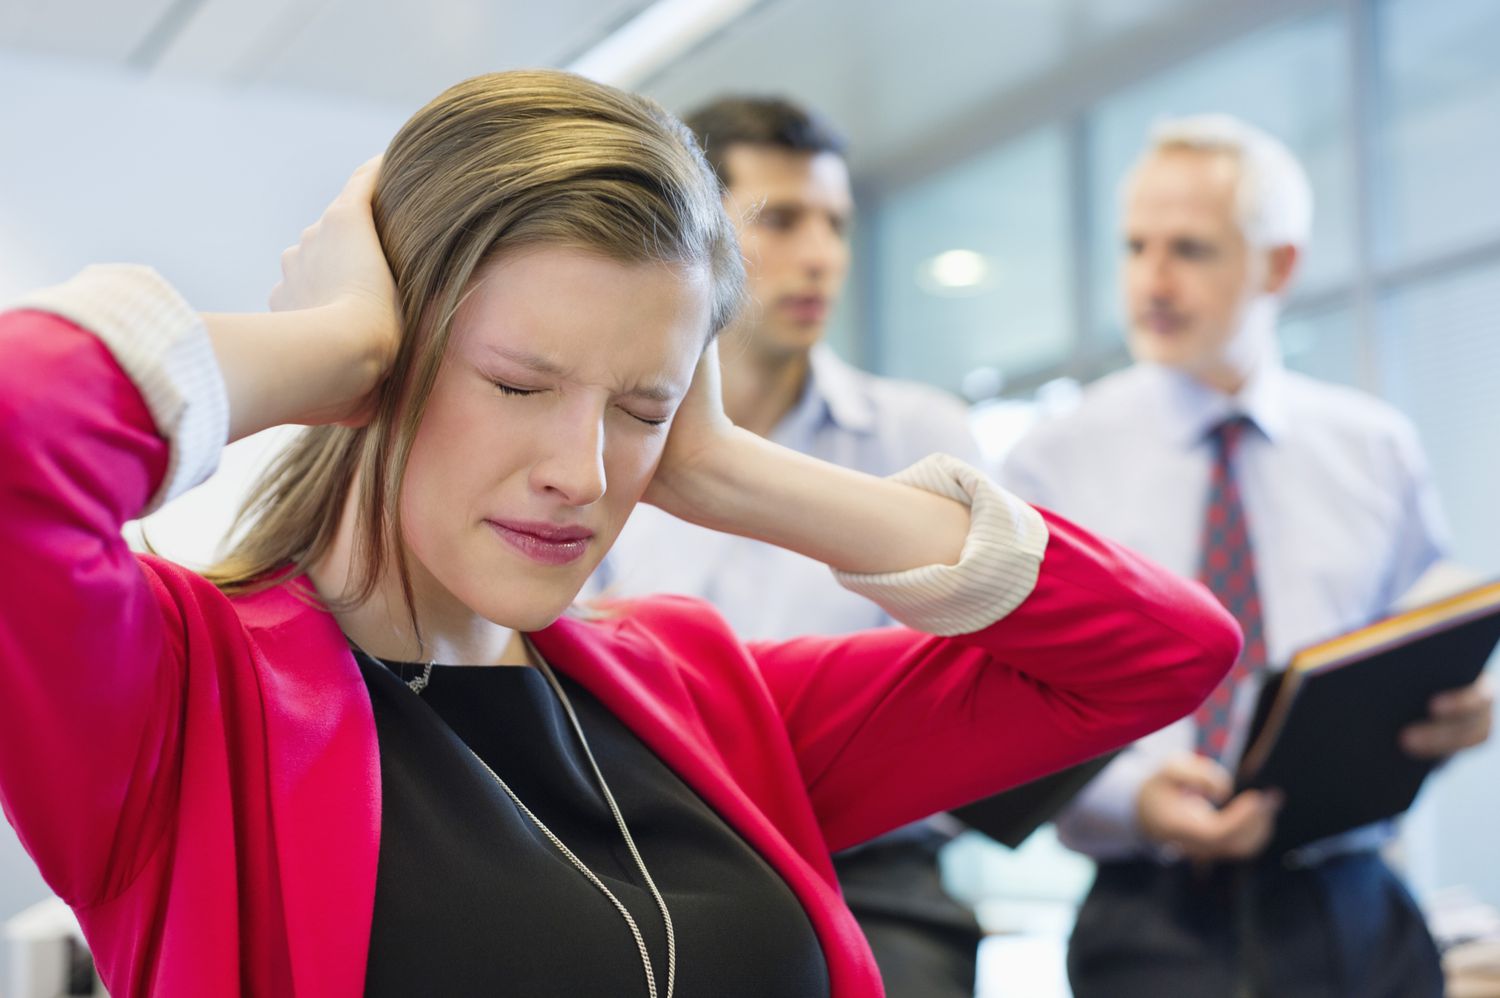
{"points": [[205, 185]]}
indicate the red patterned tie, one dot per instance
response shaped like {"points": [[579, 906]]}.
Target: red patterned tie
{"points": [[1228, 570]]}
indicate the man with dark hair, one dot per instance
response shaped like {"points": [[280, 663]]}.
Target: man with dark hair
{"points": [[760, 122], [786, 183]]}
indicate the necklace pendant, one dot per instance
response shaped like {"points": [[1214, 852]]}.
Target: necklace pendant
{"points": [[420, 683]]}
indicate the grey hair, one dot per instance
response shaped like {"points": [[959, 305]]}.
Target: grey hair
{"points": [[1274, 199]]}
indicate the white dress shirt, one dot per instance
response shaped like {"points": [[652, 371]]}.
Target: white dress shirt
{"points": [[1342, 516]]}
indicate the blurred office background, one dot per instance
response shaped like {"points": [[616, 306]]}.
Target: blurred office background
{"points": [[988, 140]]}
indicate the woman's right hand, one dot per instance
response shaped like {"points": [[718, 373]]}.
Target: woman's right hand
{"points": [[322, 353], [338, 266]]}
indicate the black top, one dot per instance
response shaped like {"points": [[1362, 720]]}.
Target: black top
{"points": [[471, 898]]}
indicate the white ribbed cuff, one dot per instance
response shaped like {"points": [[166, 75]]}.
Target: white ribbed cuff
{"points": [[159, 342], [996, 571]]}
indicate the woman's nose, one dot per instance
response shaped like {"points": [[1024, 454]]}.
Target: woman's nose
{"points": [[572, 463]]}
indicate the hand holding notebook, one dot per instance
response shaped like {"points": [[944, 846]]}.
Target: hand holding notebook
{"points": [[1327, 731]]}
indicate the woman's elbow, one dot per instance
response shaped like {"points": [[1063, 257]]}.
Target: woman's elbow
{"points": [[1219, 642]]}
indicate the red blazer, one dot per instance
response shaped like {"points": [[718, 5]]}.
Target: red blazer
{"points": [[199, 777]]}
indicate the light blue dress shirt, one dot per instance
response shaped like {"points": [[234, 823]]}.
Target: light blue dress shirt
{"points": [[1342, 515], [845, 416]]}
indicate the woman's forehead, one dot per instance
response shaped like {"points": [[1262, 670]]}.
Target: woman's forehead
{"points": [[565, 312]]}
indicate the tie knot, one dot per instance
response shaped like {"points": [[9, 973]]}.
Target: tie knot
{"points": [[1226, 436]]}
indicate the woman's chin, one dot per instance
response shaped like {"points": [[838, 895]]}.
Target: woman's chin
{"points": [[533, 613]]}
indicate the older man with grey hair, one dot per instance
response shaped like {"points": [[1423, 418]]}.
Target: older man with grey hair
{"points": [[1307, 508]]}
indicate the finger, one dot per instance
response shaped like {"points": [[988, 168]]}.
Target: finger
{"points": [[1246, 823], [361, 184], [705, 395], [1475, 699], [1240, 830], [1248, 805], [1192, 826], [1200, 775], [1437, 739]]}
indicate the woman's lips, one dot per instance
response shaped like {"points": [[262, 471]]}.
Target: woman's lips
{"points": [[542, 542]]}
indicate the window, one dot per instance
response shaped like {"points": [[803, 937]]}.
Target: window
{"points": [[1438, 131], [1439, 357], [1323, 345], [972, 266], [1439, 353]]}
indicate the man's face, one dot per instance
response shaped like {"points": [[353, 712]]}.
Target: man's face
{"points": [[792, 211], [1189, 273]]}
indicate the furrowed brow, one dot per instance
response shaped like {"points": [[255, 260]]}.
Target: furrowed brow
{"points": [[651, 393], [535, 362]]}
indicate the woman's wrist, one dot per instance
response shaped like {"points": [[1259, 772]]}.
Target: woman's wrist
{"points": [[309, 366], [362, 349], [851, 521]]}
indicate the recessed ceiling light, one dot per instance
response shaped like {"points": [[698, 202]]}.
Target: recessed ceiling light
{"points": [[956, 272]]}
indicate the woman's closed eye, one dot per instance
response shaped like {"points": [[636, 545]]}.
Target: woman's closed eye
{"points": [[648, 420], [513, 390], [517, 391]]}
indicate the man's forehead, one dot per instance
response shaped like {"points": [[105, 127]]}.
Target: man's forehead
{"points": [[1180, 184], [753, 168], [1188, 174]]}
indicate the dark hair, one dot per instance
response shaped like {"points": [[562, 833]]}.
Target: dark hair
{"points": [[759, 121]]}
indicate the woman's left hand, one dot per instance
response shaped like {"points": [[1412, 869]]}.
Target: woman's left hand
{"points": [[726, 478], [701, 435]]}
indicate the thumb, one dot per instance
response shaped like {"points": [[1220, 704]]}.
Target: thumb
{"points": [[1248, 805], [1200, 775]]}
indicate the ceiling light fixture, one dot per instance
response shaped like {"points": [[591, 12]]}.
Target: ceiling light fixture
{"points": [[653, 38], [956, 272]]}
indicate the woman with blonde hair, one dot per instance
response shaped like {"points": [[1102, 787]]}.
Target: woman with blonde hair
{"points": [[307, 771]]}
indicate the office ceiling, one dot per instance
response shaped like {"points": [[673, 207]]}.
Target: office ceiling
{"points": [[902, 78], [402, 51]]}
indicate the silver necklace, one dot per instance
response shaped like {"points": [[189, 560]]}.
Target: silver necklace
{"points": [[419, 684]]}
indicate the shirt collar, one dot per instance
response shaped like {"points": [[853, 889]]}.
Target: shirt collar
{"points": [[834, 392], [1190, 409]]}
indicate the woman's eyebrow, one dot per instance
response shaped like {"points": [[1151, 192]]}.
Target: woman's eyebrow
{"points": [[525, 358]]}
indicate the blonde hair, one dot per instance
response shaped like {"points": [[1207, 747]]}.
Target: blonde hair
{"points": [[495, 163], [1273, 197]]}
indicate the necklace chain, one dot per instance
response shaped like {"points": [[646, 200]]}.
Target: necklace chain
{"points": [[418, 684]]}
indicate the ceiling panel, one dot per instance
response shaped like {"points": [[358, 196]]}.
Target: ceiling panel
{"points": [[1105, 19], [226, 40], [910, 82], [408, 52], [892, 73], [90, 29]]}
